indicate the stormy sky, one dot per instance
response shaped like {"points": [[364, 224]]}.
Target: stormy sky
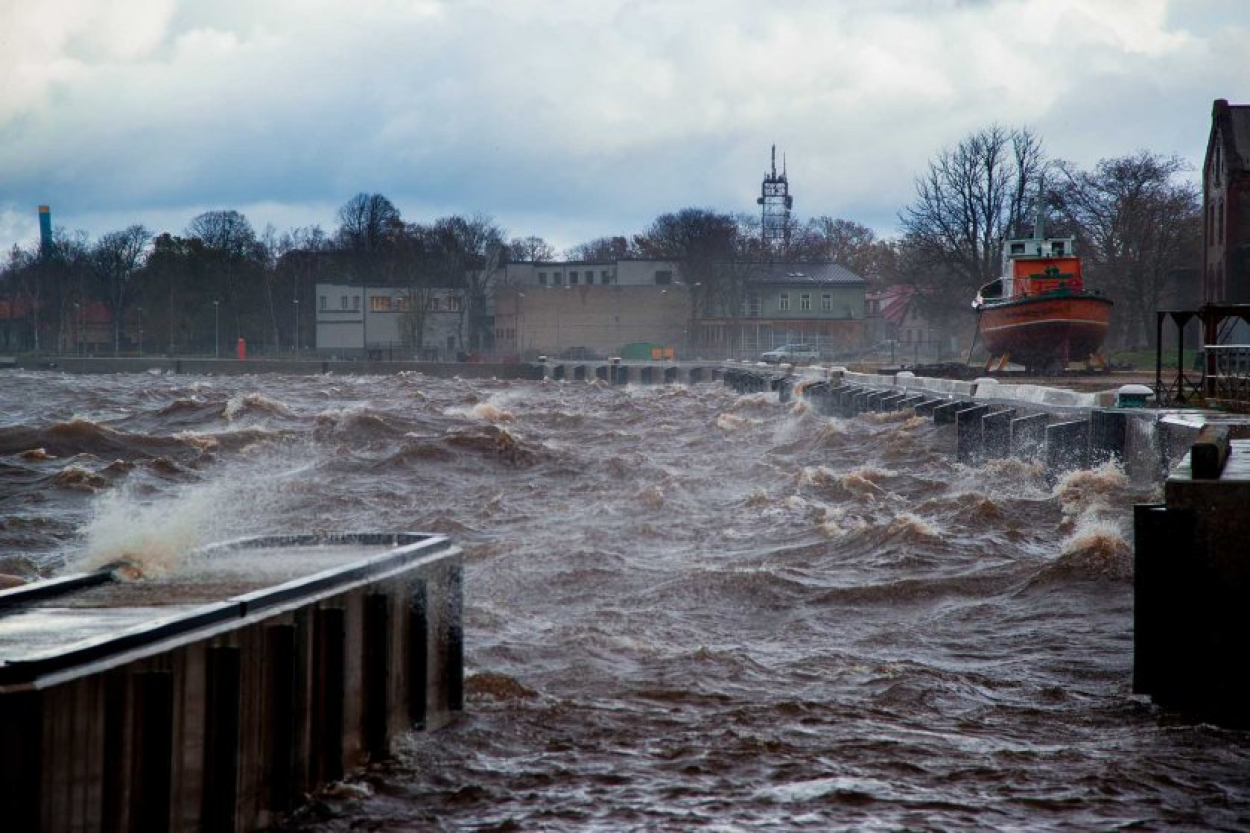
{"points": [[571, 119]]}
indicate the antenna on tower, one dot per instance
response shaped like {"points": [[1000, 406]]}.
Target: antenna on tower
{"points": [[777, 202]]}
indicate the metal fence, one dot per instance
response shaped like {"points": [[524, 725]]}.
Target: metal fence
{"points": [[1228, 373]]}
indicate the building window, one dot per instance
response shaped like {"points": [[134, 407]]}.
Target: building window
{"points": [[453, 303], [604, 277], [805, 302], [753, 305], [590, 278], [432, 304], [542, 278], [380, 303], [572, 278], [343, 302], [663, 277], [322, 301], [557, 279], [355, 302], [783, 302], [401, 302], [826, 303]]}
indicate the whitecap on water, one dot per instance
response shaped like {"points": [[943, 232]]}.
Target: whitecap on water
{"points": [[245, 403], [731, 422]]}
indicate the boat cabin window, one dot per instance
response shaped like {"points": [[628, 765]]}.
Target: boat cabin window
{"points": [[1056, 248], [1017, 248]]}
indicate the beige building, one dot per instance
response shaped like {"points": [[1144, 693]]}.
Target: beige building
{"points": [[588, 321], [619, 272]]}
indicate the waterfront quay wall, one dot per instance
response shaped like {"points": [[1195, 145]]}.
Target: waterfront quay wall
{"points": [[1062, 429], [1191, 582], [611, 371], [168, 704], [295, 367]]}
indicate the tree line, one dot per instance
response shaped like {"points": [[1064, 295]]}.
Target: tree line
{"points": [[1136, 219]]}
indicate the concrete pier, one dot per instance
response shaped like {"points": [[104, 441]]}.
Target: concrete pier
{"points": [[218, 695], [1192, 587], [1065, 429]]}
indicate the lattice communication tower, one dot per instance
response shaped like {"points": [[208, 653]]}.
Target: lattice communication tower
{"points": [[777, 202]]}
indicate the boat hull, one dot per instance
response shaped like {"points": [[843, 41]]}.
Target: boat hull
{"points": [[1046, 331]]}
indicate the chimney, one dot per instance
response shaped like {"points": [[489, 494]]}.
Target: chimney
{"points": [[45, 231]]}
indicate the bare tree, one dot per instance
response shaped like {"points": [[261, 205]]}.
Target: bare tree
{"points": [[366, 221], [969, 200], [299, 253], [231, 246], [529, 250], [471, 250], [696, 239], [851, 244], [24, 287], [414, 264], [226, 231], [1135, 224], [115, 258], [602, 249]]}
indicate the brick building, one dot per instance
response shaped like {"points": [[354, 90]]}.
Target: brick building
{"points": [[1226, 206]]}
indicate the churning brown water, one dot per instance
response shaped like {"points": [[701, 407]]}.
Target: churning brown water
{"points": [[687, 609]]}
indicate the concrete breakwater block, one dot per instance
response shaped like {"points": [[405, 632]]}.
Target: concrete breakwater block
{"points": [[1067, 447], [944, 414], [969, 436], [215, 695], [996, 434], [1028, 436], [1191, 590]]}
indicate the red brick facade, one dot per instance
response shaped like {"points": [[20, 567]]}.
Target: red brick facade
{"points": [[1226, 206]]}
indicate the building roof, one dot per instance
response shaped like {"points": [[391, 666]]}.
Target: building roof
{"points": [[814, 274], [1233, 123], [894, 301]]}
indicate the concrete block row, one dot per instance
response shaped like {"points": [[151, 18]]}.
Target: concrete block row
{"points": [[743, 380], [986, 429], [616, 373]]}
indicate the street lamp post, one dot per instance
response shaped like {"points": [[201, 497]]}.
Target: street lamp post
{"points": [[216, 330]]}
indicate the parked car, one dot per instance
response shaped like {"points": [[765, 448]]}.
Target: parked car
{"points": [[791, 354]]}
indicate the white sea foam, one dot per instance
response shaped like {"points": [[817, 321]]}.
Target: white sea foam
{"points": [[154, 536]]}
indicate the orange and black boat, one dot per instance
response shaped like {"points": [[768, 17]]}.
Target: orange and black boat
{"points": [[1039, 312]]}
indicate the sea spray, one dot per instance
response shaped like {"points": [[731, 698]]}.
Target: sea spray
{"points": [[155, 535], [150, 537]]}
